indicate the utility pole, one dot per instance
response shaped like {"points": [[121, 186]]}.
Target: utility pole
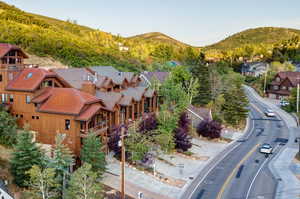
{"points": [[123, 164], [265, 81], [298, 94]]}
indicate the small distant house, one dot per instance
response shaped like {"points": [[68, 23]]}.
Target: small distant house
{"points": [[254, 69], [282, 84], [148, 77]]}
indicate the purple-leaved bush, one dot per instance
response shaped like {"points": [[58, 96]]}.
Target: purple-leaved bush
{"points": [[211, 129], [148, 123], [181, 134]]}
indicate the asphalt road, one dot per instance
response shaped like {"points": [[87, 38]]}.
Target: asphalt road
{"points": [[241, 172]]}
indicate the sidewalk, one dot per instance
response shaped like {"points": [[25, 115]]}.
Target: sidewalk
{"points": [[288, 185]]}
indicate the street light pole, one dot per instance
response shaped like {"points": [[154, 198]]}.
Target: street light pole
{"points": [[265, 81], [298, 95], [122, 164]]}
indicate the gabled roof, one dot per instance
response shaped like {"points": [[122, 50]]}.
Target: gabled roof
{"points": [[74, 76], [200, 112], [126, 100], [89, 112], [294, 77], [64, 100], [5, 48], [116, 76], [161, 76], [149, 92], [110, 99], [136, 92], [29, 79]]}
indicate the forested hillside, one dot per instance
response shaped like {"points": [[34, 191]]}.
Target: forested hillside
{"points": [[80, 46]]}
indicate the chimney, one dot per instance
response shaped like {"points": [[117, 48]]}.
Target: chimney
{"points": [[88, 87]]}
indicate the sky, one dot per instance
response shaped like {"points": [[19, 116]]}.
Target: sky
{"points": [[196, 22]]}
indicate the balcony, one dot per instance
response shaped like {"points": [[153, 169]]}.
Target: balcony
{"points": [[99, 129]]}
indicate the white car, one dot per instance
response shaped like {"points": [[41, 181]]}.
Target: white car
{"points": [[270, 113], [266, 149], [284, 103]]}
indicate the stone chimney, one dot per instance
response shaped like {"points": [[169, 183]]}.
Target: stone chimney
{"points": [[88, 87]]}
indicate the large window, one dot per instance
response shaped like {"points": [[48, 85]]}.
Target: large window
{"points": [[0, 78], [67, 124]]}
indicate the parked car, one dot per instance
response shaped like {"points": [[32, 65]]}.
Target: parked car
{"points": [[266, 149], [284, 103], [270, 113]]}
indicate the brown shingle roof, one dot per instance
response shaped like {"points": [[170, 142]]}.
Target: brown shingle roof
{"points": [[5, 48], [126, 101], [29, 79], [136, 92], [110, 99], [89, 112], [66, 101]]}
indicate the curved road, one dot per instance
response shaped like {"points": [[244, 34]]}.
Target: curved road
{"points": [[241, 172]]}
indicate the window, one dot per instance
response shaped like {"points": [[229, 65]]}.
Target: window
{"points": [[11, 98], [10, 76], [67, 124], [17, 115], [37, 117], [21, 116], [275, 87], [0, 78], [277, 79], [32, 117], [283, 87], [4, 98], [28, 99], [290, 88]]}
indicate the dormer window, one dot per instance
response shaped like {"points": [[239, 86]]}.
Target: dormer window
{"points": [[277, 79]]}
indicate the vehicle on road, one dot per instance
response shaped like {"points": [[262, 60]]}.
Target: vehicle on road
{"points": [[270, 113], [284, 103], [266, 149]]}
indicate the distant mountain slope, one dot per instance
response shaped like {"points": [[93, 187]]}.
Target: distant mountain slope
{"points": [[158, 37], [264, 35]]}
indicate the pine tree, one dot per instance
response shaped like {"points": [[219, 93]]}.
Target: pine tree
{"points": [[84, 184], [62, 161], [201, 72], [235, 107], [91, 153], [8, 129], [25, 156]]}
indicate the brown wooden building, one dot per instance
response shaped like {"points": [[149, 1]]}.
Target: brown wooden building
{"points": [[282, 84], [70, 101]]}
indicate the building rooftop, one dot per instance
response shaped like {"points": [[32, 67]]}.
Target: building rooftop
{"points": [[29, 79]]}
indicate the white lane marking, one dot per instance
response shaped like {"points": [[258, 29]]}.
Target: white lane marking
{"points": [[258, 171], [203, 178]]}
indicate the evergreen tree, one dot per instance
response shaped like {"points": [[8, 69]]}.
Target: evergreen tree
{"points": [[62, 161], [8, 129], [201, 72], [91, 153], [235, 107], [25, 156], [84, 184]]}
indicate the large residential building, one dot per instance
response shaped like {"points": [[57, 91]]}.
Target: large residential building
{"points": [[72, 101], [282, 84]]}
